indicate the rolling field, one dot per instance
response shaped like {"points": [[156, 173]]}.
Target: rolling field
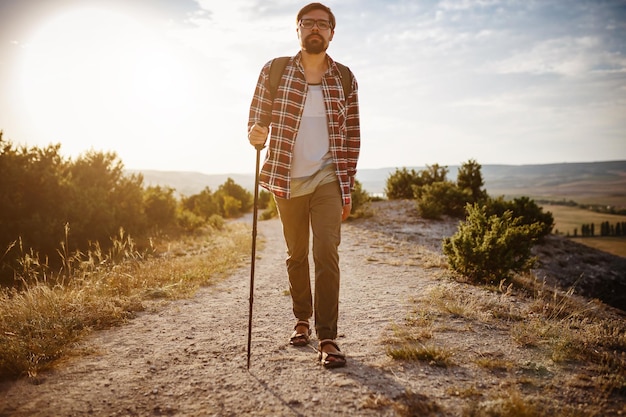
{"points": [[613, 245], [567, 219]]}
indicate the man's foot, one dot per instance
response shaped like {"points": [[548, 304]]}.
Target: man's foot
{"points": [[329, 354], [301, 334]]}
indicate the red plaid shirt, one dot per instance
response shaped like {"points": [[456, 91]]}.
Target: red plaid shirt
{"points": [[284, 115]]}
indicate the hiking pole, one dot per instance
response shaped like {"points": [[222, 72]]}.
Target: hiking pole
{"points": [[254, 222]]}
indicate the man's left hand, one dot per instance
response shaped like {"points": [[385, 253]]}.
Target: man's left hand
{"points": [[345, 212]]}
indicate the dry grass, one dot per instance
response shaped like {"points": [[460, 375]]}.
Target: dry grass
{"points": [[41, 322], [414, 404], [576, 347], [433, 355]]}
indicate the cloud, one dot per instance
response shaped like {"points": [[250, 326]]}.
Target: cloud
{"points": [[567, 56], [456, 5]]}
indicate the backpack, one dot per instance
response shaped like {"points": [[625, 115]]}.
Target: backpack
{"points": [[277, 67]]}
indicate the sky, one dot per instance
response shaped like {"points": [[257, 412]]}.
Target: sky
{"points": [[167, 84]]}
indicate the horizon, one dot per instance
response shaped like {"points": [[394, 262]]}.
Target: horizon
{"points": [[167, 85], [387, 167]]}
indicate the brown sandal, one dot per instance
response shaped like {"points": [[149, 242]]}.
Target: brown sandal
{"points": [[300, 339], [331, 359]]}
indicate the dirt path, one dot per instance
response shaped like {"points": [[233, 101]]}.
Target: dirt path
{"points": [[189, 359]]}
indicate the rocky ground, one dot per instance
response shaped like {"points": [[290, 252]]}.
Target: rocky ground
{"points": [[188, 358]]}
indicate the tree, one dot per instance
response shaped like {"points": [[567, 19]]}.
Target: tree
{"points": [[470, 178], [42, 193], [33, 196], [103, 199]]}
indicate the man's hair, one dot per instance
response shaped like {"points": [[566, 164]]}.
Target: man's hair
{"points": [[317, 6]]}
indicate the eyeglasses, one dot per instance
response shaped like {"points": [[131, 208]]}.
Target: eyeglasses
{"points": [[309, 23]]}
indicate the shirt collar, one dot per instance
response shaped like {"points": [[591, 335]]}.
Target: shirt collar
{"points": [[331, 63]]}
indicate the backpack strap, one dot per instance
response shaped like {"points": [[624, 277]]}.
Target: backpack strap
{"points": [[277, 68], [346, 79]]}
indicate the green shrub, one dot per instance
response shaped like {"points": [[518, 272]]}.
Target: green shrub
{"points": [[189, 221], [441, 198], [203, 204], [231, 207], [160, 206], [265, 199], [360, 201], [470, 179], [432, 174], [488, 248], [270, 211], [400, 184], [408, 184], [216, 221], [233, 199], [526, 210]]}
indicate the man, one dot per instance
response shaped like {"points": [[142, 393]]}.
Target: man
{"points": [[310, 169]]}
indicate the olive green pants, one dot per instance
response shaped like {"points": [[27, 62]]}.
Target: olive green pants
{"points": [[319, 212]]}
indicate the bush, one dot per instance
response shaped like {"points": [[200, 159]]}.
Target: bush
{"points": [[189, 221], [42, 193], [203, 204], [160, 205], [526, 210], [441, 198], [231, 207], [233, 199], [488, 248], [216, 221], [270, 211], [265, 199], [408, 184], [400, 184], [433, 173], [360, 201]]}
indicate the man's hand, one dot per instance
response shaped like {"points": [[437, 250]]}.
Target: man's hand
{"points": [[257, 135], [345, 211]]}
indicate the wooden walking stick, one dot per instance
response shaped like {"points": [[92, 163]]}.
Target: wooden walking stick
{"points": [[252, 261]]}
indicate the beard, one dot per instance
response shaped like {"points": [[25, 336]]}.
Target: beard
{"points": [[315, 44]]}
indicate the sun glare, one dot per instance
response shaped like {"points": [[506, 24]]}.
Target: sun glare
{"points": [[88, 75]]}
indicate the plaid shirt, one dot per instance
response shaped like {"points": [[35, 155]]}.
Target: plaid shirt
{"points": [[284, 115]]}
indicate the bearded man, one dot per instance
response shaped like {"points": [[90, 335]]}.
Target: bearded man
{"points": [[310, 169]]}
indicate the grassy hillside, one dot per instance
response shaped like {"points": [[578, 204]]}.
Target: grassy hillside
{"points": [[190, 183], [585, 183]]}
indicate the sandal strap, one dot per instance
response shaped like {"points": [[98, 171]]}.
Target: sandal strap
{"points": [[329, 342], [301, 323], [337, 355]]}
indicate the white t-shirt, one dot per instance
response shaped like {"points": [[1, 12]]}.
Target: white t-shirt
{"points": [[311, 150]]}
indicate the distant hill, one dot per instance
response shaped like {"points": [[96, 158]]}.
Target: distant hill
{"points": [[578, 181], [190, 183]]}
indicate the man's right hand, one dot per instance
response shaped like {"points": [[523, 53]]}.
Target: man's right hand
{"points": [[257, 135]]}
